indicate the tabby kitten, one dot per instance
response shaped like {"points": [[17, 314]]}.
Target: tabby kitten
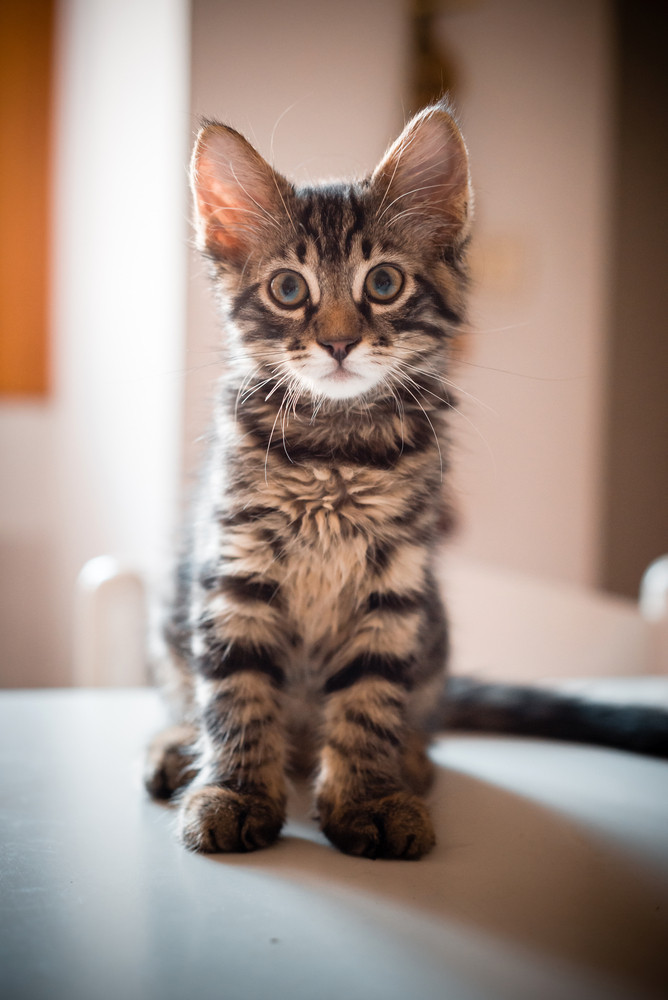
{"points": [[307, 635], [308, 629]]}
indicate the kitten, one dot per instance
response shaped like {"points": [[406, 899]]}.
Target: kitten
{"points": [[307, 631], [308, 621]]}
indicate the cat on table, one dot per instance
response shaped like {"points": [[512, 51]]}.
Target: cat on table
{"points": [[307, 632]]}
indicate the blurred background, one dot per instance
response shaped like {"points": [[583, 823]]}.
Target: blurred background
{"points": [[108, 333]]}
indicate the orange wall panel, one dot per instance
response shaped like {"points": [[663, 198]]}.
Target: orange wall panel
{"points": [[26, 46]]}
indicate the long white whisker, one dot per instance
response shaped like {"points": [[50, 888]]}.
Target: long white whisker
{"points": [[244, 383], [470, 422], [259, 385], [446, 382], [433, 430], [282, 381], [271, 435], [400, 409], [286, 416]]}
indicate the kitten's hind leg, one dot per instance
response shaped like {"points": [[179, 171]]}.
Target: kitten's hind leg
{"points": [[170, 761]]}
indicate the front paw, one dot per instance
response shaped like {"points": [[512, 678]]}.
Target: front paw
{"points": [[395, 826], [215, 820]]}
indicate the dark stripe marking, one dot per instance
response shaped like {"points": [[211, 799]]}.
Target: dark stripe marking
{"points": [[247, 590], [437, 300], [244, 298], [354, 755], [379, 555], [244, 516], [221, 660], [369, 726], [390, 668], [391, 601], [357, 224]]}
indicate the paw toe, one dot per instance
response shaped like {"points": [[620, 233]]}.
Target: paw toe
{"points": [[396, 826], [215, 820]]}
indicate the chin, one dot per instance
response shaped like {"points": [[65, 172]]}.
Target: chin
{"points": [[340, 386]]}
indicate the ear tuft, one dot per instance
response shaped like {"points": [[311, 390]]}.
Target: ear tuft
{"points": [[423, 179], [238, 197]]}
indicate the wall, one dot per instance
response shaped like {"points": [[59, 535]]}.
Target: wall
{"points": [[27, 547], [535, 92], [635, 521], [95, 469]]}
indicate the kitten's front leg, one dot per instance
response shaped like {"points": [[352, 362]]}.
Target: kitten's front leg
{"points": [[364, 805], [373, 758], [237, 800]]}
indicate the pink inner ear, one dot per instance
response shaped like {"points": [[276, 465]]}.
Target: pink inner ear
{"points": [[440, 166], [235, 193], [425, 173], [224, 211]]}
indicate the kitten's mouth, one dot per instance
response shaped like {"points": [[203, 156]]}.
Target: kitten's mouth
{"points": [[343, 382], [342, 379], [342, 372]]}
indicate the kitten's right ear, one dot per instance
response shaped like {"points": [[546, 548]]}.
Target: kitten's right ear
{"points": [[237, 195]]}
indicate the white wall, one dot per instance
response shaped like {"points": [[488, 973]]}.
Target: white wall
{"points": [[27, 546], [536, 100], [95, 469]]}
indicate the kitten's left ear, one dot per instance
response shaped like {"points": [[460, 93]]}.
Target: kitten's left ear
{"points": [[423, 179]]}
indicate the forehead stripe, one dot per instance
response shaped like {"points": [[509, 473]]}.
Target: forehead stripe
{"points": [[358, 222]]}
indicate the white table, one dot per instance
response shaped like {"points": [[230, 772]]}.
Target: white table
{"points": [[550, 878]]}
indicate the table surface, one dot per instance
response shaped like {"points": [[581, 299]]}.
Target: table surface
{"points": [[549, 879]]}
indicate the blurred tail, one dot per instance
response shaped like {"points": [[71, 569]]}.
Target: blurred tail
{"points": [[529, 711]]}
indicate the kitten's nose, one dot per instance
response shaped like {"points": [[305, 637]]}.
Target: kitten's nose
{"points": [[339, 349]]}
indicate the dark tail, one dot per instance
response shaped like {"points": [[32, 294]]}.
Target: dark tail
{"points": [[529, 711]]}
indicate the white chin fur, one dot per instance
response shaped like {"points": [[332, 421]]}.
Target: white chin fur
{"points": [[324, 377]]}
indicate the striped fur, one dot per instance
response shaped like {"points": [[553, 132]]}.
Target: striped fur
{"points": [[307, 628]]}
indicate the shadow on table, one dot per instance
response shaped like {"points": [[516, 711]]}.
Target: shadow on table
{"points": [[512, 868]]}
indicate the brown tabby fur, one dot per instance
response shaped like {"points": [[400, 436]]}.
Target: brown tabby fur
{"points": [[307, 628]]}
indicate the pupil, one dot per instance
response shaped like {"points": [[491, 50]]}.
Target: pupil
{"points": [[290, 287], [383, 282]]}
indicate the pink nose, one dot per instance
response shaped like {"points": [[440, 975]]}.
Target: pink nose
{"points": [[339, 349]]}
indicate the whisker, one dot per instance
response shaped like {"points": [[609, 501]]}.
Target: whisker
{"points": [[286, 416], [433, 430], [244, 382], [450, 384], [285, 378], [386, 382], [468, 420], [533, 378], [271, 435]]}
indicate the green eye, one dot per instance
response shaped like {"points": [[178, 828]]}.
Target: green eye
{"points": [[383, 283], [289, 289]]}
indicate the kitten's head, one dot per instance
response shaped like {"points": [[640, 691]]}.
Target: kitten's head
{"points": [[346, 290]]}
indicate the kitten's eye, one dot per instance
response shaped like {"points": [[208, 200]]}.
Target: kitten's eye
{"points": [[289, 289], [383, 283]]}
